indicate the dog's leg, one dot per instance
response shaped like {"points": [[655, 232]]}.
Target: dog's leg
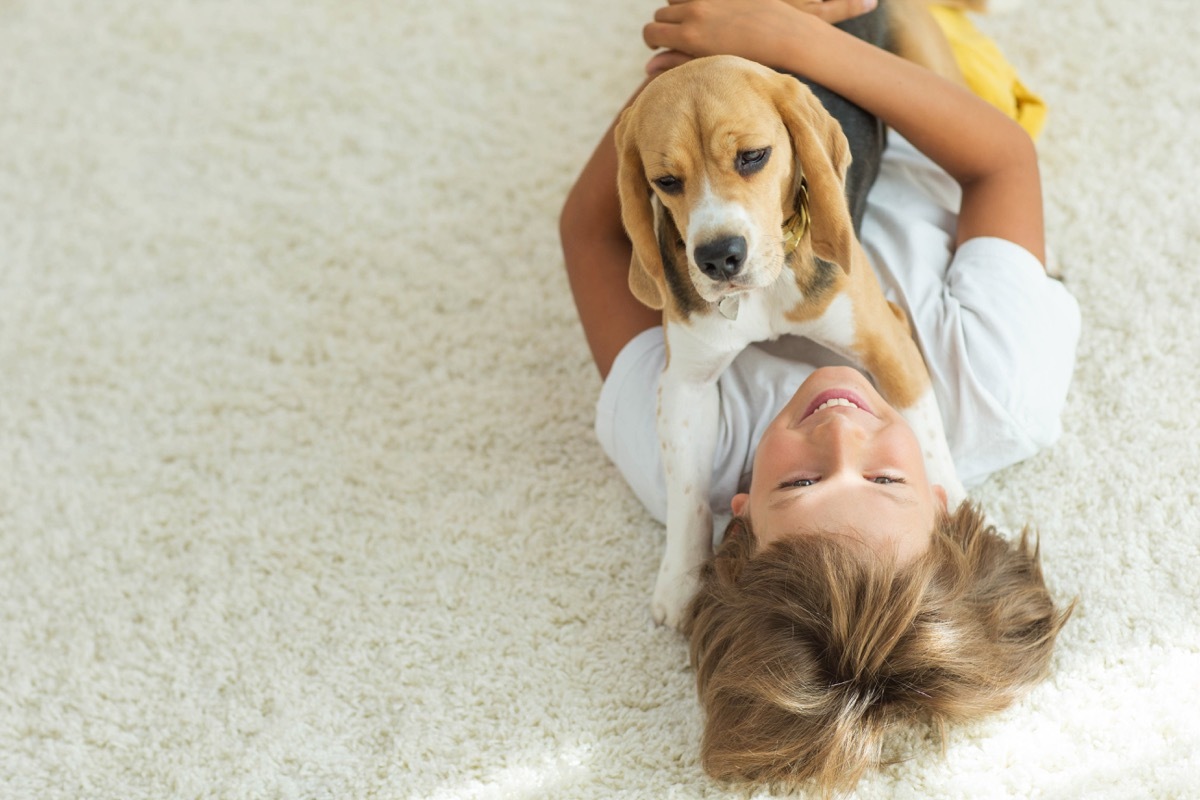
{"points": [[688, 416], [874, 333], [896, 364], [914, 35], [925, 418], [687, 434]]}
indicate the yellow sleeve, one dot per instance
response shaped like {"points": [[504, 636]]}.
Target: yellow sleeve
{"points": [[987, 72]]}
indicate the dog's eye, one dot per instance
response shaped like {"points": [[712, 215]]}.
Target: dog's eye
{"points": [[669, 184], [751, 161]]}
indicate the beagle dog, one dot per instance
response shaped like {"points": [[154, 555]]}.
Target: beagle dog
{"points": [[732, 182]]}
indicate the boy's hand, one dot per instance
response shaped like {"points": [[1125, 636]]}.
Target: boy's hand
{"points": [[752, 29], [665, 60]]}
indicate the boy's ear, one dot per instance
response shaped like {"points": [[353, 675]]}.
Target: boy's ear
{"points": [[738, 504], [939, 495]]}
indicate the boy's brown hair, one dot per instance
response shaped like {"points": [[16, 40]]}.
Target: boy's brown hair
{"points": [[808, 652]]}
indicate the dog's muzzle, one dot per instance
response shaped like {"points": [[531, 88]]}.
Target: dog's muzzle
{"points": [[721, 259]]}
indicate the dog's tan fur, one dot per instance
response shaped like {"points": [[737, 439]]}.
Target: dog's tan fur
{"points": [[917, 37], [774, 111], [758, 108], [653, 140]]}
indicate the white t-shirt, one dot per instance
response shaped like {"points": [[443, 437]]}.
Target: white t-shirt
{"points": [[998, 335]]}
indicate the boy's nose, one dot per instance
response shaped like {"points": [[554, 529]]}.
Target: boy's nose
{"points": [[839, 431]]}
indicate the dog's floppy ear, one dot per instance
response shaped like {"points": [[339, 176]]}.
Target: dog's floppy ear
{"points": [[646, 266], [822, 156]]}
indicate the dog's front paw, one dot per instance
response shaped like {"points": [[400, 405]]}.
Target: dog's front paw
{"points": [[672, 592]]}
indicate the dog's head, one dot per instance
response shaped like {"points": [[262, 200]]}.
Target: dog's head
{"points": [[717, 158]]}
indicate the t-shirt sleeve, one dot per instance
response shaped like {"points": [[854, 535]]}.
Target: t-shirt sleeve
{"points": [[626, 418], [1002, 355]]}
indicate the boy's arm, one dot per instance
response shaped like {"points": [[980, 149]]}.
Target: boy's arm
{"points": [[990, 156]]}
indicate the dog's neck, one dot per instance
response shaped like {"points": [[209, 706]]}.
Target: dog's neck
{"points": [[795, 226]]}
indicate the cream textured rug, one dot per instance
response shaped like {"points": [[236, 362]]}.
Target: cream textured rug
{"points": [[299, 496]]}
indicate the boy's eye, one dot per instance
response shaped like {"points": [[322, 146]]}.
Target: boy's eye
{"points": [[799, 484], [886, 479]]}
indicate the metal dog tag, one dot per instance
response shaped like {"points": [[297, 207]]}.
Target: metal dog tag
{"points": [[729, 306]]}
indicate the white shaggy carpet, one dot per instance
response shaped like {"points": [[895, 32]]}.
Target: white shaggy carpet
{"points": [[298, 490]]}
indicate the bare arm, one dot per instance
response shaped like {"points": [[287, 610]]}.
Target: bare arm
{"points": [[989, 155]]}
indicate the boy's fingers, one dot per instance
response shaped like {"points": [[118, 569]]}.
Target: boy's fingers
{"points": [[664, 36], [653, 35], [669, 14]]}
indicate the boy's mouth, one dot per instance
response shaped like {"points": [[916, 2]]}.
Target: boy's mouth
{"points": [[836, 397]]}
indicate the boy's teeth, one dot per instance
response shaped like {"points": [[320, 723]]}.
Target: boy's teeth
{"points": [[837, 401]]}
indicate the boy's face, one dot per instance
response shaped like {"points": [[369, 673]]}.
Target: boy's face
{"points": [[851, 467]]}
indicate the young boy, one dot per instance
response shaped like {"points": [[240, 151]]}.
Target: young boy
{"points": [[845, 597]]}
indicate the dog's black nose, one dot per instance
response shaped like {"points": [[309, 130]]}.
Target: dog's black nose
{"points": [[723, 258]]}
